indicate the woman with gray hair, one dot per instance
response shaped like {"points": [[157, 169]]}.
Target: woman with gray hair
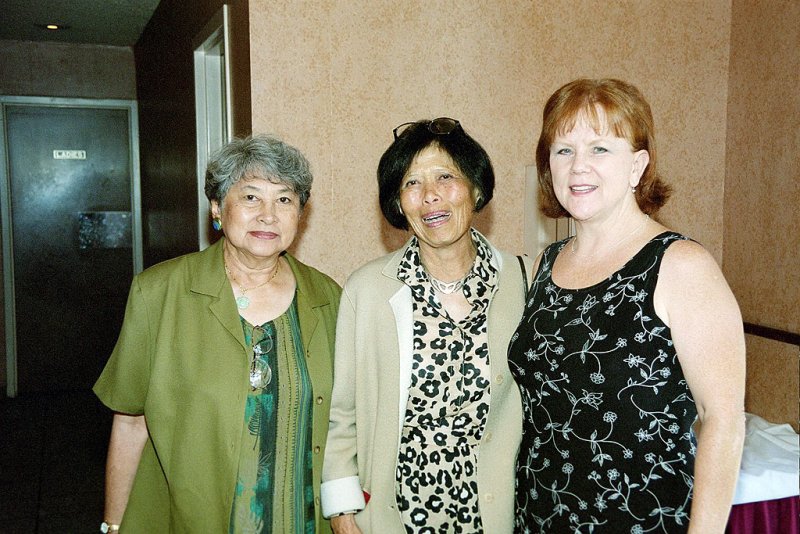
{"points": [[221, 378]]}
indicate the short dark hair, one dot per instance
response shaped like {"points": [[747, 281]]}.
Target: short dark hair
{"points": [[628, 115], [263, 155], [469, 156]]}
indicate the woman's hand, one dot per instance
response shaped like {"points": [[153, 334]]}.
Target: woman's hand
{"points": [[345, 524]]}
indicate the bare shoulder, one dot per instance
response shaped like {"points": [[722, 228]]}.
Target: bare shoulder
{"points": [[694, 300], [688, 259], [690, 282]]}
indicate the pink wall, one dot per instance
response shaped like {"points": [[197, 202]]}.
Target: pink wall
{"points": [[762, 191], [335, 77]]}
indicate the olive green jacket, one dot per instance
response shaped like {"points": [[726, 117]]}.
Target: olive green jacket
{"points": [[181, 360]]}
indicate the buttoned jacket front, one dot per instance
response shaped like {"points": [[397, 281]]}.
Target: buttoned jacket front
{"points": [[372, 373]]}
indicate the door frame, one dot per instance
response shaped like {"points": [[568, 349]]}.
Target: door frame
{"points": [[213, 105], [9, 295]]}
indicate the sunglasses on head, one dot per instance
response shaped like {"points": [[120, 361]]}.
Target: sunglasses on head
{"points": [[440, 126]]}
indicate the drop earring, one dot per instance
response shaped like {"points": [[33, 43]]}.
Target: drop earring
{"points": [[216, 224]]}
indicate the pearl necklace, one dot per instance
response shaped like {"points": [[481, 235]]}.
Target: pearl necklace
{"points": [[243, 301], [619, 242]]}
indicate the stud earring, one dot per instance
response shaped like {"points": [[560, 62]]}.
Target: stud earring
{"points": [[216, 224]]}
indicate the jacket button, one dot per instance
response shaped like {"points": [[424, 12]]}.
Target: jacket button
{"points": [[317, 449], [499, 379], [319, 400], [489, 497]]}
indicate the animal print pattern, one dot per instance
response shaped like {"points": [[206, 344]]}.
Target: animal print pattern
{"points": [[607, 440], [436, 480]]}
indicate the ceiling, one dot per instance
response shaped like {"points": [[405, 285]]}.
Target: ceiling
{"points": [[99, 22]]}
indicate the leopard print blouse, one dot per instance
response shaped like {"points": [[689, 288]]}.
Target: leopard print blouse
{"points": [[436, 479]]}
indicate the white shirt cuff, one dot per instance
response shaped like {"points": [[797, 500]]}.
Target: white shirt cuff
{"points": [[341, 495]]}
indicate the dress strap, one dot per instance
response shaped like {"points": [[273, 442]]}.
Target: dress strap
{"points": [[548, 257]]}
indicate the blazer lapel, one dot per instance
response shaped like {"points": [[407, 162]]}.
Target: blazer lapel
{"points": [[403, 310], [308, 303], [208, 278]]}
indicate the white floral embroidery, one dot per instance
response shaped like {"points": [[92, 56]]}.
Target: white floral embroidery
{"points": [[607, 444]]}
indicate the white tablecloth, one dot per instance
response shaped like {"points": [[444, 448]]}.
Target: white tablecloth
{"points": [[770, 463]]}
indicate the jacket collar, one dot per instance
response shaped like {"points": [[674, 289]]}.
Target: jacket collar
{"points": [[207, 277], [303, 275], [309, 300]]}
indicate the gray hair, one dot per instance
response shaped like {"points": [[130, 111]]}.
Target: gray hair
{"points": [[268, 156]]}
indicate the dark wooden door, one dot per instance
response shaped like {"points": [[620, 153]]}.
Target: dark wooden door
{"points": [[70, 196]]}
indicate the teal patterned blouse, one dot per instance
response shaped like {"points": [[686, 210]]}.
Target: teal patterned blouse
{"points": [[274, 491]]}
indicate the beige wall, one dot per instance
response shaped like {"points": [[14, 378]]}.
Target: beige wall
{"points": [[762, 188], [773, 380], [334, 77], [762, 191]]}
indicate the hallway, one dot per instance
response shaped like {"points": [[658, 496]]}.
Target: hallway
{"points": [[52, 459]]}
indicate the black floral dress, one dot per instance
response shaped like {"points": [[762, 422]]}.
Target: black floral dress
{"points": [[607, 441], [448, 402]]}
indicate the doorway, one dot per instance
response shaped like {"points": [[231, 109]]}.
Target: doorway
{"points": [[213, 107], [71, 236]]}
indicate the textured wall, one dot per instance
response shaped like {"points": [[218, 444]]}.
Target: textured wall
{"points": [[762, 188], [66, 70], [773, 380], [334, 77]]}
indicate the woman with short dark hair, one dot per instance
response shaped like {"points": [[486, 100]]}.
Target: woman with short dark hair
{"points": [[425, 418]]}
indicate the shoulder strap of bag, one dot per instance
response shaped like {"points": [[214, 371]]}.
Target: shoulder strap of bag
{"points": [[524, 276]]}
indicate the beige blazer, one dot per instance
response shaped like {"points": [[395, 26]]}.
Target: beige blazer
{"points": [[372, 373]]}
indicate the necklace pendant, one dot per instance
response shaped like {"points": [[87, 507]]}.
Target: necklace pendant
{"points": [[447, 288], [242, 302]]}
